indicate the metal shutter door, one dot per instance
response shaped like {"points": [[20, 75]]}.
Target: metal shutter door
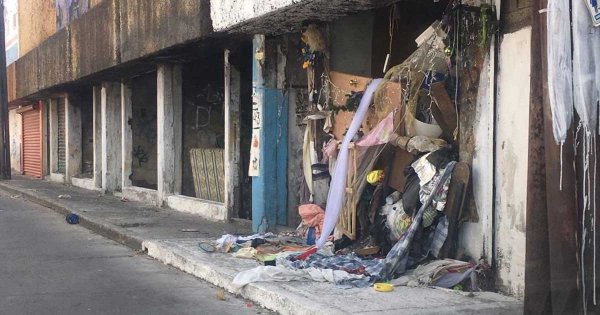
{"points": [[61, 136], [32, 143]]}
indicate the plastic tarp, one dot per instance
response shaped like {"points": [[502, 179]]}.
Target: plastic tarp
{"points": [[560, 70], [335, 198], [586, 65]]}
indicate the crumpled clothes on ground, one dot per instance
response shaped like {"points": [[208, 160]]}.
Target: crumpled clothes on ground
{"points": [[444, 273], [225, 242], [278, 273], [350, 263], [312, 216], [247, 252]]}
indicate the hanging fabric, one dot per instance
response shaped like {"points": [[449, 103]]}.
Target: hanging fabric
{"points": [[586, 65], [560, 69]]}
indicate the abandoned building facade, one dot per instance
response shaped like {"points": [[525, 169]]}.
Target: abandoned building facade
{"points": [[216, 108]]}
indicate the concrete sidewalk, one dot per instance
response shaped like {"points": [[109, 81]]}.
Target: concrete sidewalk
{"points": [[159, 232]]}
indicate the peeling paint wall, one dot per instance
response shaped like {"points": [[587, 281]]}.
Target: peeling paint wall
{"points": [[15, 131], [476, 237], [511, 168]]}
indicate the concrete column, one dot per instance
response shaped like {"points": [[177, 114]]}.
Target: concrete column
{"points": [[72, 138], [127, 134], [45, 137], [232, 136], [53, 132], [169, 114], [111, 136], [97, 126], [269, 187]]}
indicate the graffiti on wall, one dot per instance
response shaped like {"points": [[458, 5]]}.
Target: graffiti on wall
{"points": [[140, 155], [211, 98]]}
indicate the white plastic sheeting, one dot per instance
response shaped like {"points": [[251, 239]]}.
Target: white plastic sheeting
{"points": [[586, 94], [586, 65], [335, 198], [560, 75]]}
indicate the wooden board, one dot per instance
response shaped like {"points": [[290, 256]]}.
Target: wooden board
{"points": [[345, 83]]}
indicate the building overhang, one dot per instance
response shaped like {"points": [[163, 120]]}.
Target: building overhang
{"points": [[273, 17]]}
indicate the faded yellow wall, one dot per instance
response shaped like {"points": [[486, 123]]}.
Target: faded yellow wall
{"points": [[37, 21]]}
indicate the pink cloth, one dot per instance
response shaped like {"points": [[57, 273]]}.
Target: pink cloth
{"points": [[312, 215], [380, 134]]}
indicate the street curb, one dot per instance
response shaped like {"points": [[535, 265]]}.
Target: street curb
{"points": [[97, 226], [268, 295]]}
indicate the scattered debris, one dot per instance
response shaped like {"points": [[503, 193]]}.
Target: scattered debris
{"points": [[207, 247], [189, 230], [72, 218], [221, 295], [124, 200], [64, 196]]}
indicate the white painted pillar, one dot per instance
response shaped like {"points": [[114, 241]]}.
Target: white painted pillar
{"points": [[126, 135], [232, 136], [53, 133], [111, 136], [72, 138], [97, 126], [169, 113]]}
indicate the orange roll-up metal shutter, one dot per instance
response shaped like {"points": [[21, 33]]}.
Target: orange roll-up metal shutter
{"points": [[32, 142]]}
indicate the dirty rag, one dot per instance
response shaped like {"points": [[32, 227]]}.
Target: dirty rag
{"points": [[312, 216]]}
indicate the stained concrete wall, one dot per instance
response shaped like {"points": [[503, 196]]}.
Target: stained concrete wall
{"points": [[15, 131], [511, 168], [111, 33], [27, 70], [351, 44], [54, 60], [148, 26], [37, 22], [94, 40]]}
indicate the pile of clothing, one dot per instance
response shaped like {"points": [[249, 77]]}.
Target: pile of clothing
{"points": [[415, 222]]}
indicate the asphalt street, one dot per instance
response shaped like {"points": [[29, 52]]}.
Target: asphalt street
{"points": [[50, 267]]}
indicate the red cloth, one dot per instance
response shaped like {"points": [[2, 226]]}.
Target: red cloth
{"points": [[312, 215]]}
